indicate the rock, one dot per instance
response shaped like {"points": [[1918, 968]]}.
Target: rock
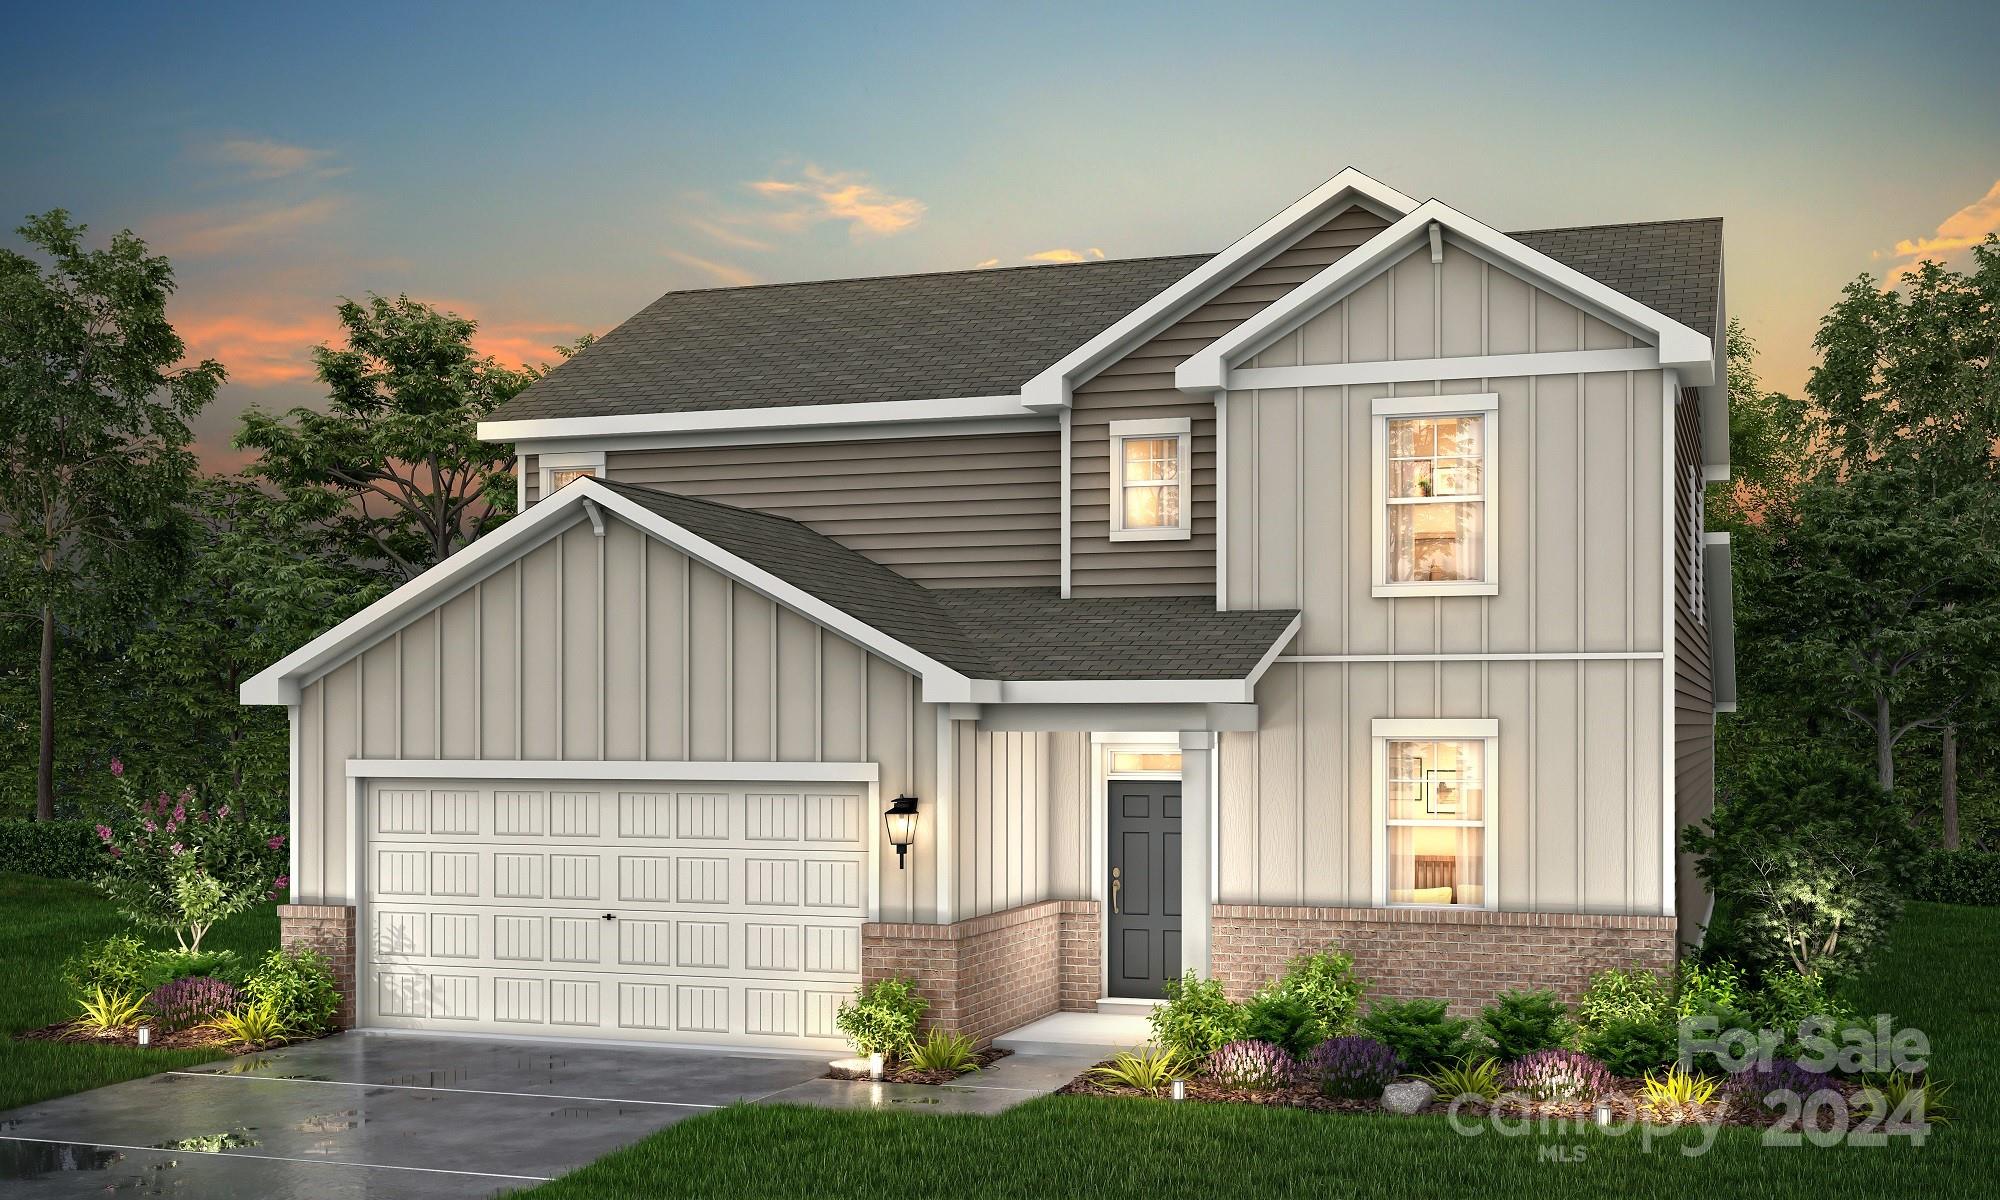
{"points": [[1406, 1097]]}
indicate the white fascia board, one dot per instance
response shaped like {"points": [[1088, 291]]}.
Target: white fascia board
{"points": [[1431, 370], [1126, 691], [1020, 420], [279, 683], [1208, 370], [1271, 655], [1050, 390], [790, 416], [721, 772], [1428, 727]]}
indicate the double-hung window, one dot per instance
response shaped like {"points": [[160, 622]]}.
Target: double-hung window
{"points": [[1434, 802], [1149, 480], [1435, 528]]}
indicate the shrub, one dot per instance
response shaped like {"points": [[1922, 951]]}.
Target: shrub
{"points": [[1614, 996], [1197, 1017], [119, 963], [1804, 852], [882, 1018], [1357, 1068], [185, 1003], [1480, 1080], [1325, 984], [165, 966], [256, 1025], [941, 1051], [174, 864], [1564, 1076], [103, 1012], [1632, 1047], [1520, 1023], [1789, 997], [1282, 1019], [1752, 1089], [1955, 877], [1150, 1068], [1673, 1091], [297, 987], [1709, 988], [1421, 1032], [1252, 1066], [52, 849]]}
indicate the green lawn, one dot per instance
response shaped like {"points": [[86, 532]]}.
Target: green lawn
{"points": [[47, 920], [1940, 975]]}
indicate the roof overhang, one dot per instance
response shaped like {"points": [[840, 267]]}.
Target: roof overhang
{"points": [[942, 410], [1207, 370]]}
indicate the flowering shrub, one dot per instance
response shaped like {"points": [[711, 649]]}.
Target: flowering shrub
{"points": [[1561, 1075], [1253, 1066], [1751, 1089], [172, 863], [185, 1003], [1354, 1067]]}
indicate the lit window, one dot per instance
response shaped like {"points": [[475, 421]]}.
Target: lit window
{"points": [[1134, 762], [1434, 482], [1434, 797], [1149, 472], [558, 470], [558, 478]]}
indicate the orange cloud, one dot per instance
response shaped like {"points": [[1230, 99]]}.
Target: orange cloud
{"points": [[264, 159], [1063, 254], [721, 232], [984, 263], [257, 349], [721, 272], [220, 231], [847, 196], [1962, 230]]}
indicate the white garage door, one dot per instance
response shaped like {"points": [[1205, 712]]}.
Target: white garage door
{"points": [[674, 912]]}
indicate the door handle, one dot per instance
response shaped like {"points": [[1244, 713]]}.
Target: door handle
{"points": [[1116, 884], [610, 917]]}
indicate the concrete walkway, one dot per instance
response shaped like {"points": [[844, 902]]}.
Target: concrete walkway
{"points": [[1013, 1080]]}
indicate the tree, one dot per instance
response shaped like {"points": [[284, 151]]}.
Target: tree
{"points": [[394, 468], [178, 864], [93, 422]]}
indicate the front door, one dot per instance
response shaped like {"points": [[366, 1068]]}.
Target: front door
{"points": [[1144, 934]]}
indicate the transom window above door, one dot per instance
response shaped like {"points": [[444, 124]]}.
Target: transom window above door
{"points": [[1149, 480], [1434, 467]]}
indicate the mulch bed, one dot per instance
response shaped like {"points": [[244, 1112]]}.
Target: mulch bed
{"points": [[181, 1039], [894, 1074], [1624, 1103]]}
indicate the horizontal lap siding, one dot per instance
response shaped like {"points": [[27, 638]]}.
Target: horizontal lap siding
{"points": [[976, 511], [612, 648], [1694, 691], [1141, 386]]}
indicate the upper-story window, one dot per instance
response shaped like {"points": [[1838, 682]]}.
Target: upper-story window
{"points": [[560, 468], [1149, 480], [1434, 485]]}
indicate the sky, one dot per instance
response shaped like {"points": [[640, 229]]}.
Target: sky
{"points": [[548, 170]]}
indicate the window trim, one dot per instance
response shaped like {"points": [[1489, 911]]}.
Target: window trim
{"points": [[565, 460], [1485, 405], [1387, 729], [1182, 430]]}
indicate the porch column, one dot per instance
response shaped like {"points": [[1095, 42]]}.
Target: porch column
{"points": [[1197, 825]]}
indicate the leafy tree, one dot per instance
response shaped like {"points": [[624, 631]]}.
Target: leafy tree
{"points": [[177, 864], [94, 427], [394, 468]]}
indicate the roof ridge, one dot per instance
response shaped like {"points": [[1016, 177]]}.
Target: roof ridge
{"points": [[792, 283], [1615, 225]]}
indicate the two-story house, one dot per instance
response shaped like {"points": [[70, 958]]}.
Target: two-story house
{"points": [[1044, 633]]}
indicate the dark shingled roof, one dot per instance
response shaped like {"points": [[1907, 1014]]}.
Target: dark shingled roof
{"points": [[981, 333], [989, 633]]}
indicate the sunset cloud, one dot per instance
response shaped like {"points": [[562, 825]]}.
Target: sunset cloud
{"points": [[984, 263], [719, 231], [262, 158], [1063, 254], [238, 227], [1962, 230], [818, 195], [723, 273]]}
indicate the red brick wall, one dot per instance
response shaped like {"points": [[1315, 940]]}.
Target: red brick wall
{"points": [[1464, 956], [329, 929], [990, 974]]}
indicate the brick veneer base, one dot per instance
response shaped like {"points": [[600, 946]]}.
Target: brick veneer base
{"points": [[1466, 957], [986, 975], [329, 929]]}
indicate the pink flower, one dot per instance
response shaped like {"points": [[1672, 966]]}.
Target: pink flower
{"points": [[180, 814], [104, 833], [176, 848], [148, 825], [222, 812], [117, 768], [117, 853], [170, 826], [273, 843]]}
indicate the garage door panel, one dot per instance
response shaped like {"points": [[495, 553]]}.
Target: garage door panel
{"points": [[724, 913]]}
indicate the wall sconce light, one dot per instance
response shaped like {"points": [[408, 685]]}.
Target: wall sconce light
{"points": [[901, 822]]}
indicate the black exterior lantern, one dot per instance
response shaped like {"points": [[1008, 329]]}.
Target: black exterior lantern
{"points": [[901, 822]]}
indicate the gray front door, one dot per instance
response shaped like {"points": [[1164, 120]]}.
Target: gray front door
{"points": [[1144, 936]]}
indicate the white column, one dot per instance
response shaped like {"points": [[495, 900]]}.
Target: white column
{"points": [[1197, 822], [944, 817]]}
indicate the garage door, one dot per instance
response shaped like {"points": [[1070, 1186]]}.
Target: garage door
{"points": [[696, 913]]}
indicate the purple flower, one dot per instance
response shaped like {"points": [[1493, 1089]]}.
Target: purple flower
{"points": [[275, 843], [187, 1002], [176, 848], [1754, 1089], [180, 814], [222, 812], [117, 853], [282, 881], [104, 833], [161, 802], [1560, 1075], [117, 768], [148, 825], [1354, 1067], [1252, 1065]]}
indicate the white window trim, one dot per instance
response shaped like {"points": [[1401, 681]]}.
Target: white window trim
{"points": [[1483, 404], [1178, 428], [1386, 730], [567, 460]]}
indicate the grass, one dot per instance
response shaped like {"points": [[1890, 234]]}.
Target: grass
{"points": [[1939, 974], [47, 920]]}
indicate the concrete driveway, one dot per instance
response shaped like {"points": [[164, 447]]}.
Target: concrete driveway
{"points": [[371, 1116]]}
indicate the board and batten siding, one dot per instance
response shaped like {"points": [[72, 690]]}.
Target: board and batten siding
{"points": [[956, 511], [1694, 685], [1140, 385], [1580, 471], [612, 648]]}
